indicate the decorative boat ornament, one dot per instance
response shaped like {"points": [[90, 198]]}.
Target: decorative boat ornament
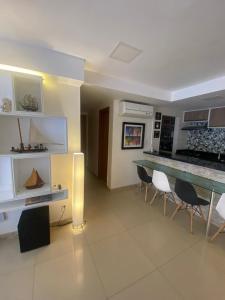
{"points": [[37, 140], [34, 181], [29, 103]]}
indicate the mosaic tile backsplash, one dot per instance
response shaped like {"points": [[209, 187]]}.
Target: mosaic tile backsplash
{"points": [[209, 140]]}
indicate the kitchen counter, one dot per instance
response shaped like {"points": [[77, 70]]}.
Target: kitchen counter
{"points": [[201, 176], [220, 166]]}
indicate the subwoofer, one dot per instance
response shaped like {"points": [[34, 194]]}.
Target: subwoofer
{"points": [[34, 228]]}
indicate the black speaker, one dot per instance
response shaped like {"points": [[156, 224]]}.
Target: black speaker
{"points": [[34, 228]]}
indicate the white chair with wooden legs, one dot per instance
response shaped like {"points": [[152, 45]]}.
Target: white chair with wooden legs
{"points": [[221, 211], [161, 183]]}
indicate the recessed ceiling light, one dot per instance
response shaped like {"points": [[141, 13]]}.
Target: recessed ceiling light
{"points": [[125, 53]]}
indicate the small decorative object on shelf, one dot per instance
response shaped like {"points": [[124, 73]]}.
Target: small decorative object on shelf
{"points": [[6, 105], [59, 186], [34, 181], [39, 147], [29, 103]]}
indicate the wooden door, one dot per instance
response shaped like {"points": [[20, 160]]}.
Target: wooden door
{"points": [[103, 139]]}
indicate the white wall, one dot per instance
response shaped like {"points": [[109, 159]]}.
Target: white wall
{"points": [[63, 99], [121, 171], [93, 125]]}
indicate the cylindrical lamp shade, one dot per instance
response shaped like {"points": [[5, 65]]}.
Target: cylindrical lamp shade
{"points": [[78, 190]]}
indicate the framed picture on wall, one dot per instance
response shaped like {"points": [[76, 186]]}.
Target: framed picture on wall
{"points": [[158, 116], [133, 135], [156, 134], [157, 125]]}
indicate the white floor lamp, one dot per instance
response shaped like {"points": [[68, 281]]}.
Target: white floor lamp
{"points": [[78, 190]]}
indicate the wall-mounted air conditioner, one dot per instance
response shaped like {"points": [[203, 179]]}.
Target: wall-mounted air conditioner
{"points": [[135, 110]]}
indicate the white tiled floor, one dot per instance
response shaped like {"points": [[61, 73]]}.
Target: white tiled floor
{"points": [[127, 250]]}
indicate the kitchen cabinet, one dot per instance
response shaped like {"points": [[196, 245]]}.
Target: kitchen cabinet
{"points": [[217, 117], [196, 115]]}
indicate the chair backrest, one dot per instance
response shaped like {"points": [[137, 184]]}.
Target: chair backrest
{"points": [[143, 175], [221, 206], [161, 181], [186, 192]]}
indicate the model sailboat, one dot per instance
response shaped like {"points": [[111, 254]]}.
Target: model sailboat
{"points": [[37, 140], [34, 181]]}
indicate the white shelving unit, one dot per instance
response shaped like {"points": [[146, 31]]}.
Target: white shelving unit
{"points": [[6, 179], [36, 128], [47, 199]]}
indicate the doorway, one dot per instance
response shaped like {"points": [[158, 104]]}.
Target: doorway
{"points": [[103, 139]]}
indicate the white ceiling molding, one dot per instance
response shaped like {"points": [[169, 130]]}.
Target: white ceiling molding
{"points": [[131, 87], [203, 88]]}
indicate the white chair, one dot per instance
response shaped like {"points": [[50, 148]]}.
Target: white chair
{"points": [[161, 183], [221, 211]]}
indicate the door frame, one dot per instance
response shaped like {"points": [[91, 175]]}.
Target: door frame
{"points": [[106, 109], [86, 118]]}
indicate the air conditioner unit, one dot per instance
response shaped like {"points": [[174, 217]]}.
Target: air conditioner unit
{"points": [[136, 110]]}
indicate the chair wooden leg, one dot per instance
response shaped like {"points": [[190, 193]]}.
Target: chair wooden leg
{"points": [[174, 199], [221, 228], [140, 186], [164, 203], [153, 198], [146, 192], [201, 214], [179, 206], [191, 220]]}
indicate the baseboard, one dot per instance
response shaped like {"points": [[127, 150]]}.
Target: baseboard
{"points": [[123, 188], [61, 223], [9, 235]]}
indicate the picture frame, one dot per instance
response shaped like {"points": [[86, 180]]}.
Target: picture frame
{"points": [[132, 135], [157, 125], [158, 116], [156, 134]]}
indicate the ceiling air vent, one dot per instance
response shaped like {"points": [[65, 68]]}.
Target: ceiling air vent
{"points": [[125, 53]]}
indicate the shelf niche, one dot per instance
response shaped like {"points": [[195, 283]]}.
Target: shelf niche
{"points": [[22, 169], [20, 87], [49, 131], [24, 86]]}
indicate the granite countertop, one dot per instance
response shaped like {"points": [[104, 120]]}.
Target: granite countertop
{"points": [[191, 160]]}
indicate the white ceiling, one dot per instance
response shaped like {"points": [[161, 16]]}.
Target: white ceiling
{"points": [[183, 41]]}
